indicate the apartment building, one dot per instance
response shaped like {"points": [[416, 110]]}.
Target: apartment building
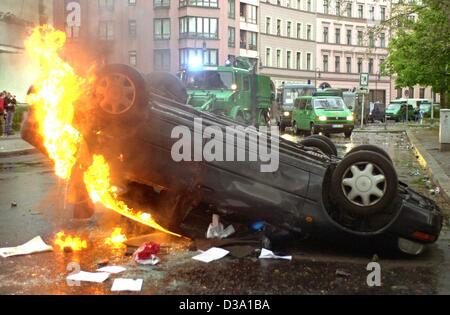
{"points": [[17, 18], [288, 40]]}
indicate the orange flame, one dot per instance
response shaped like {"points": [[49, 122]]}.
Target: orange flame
{"points": [[69, 242], [55, 92], [117, 239]]}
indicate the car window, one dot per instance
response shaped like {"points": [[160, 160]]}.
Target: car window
{"points": [[209, 80], [329, 104]]}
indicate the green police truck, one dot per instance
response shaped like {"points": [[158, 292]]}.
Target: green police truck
{"points": [[326, 114], [227, 90]]}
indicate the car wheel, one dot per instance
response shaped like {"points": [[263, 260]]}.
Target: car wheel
{"points": [[166, 85], [371, 148], [364, 183], [317, 143], [120, 91], [313, 129], [328, 141], [348, 134]]}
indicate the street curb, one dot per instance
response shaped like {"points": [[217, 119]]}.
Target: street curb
{"points": [[379, 131], [434, 170], [18, 152]]}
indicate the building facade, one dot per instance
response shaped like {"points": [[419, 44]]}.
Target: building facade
{"points": [[17, 18]]}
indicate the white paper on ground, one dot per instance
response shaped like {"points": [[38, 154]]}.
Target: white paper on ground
{"points": [[267, 254], [36, 245], [112, 269], [211, 254], [97, 277], [127, 285]]}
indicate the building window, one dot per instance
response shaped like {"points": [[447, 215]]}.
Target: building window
{"points": [[106, 5], [278, 58], [399, 93], [325, 34], [132, 2], [268, 25], [360, 11], [382, 40], [371, 65], [325, 6], [161, 28], [338, 36], [298, 61], [349, 64], [360, 65], [338, 7], [308, 32], [371, 39], [268, 57], [161, 3], [383, 14], [208, 57], [196, 3], [243, 39], [411, 92], [325, 63], [161, 60], [422, 93], [372, 13], [288, 59], [299, 30], [360, 38], [288, 29], [349, 9], [132, 28], [198, 27], [309, 5], [252, 41], [288, 3], [349, 37], [231, 9], [337, 64], [231, 37], [299, 4], [278, 27], [308, 61], [248, 13], [106, 30], [132, 57]]}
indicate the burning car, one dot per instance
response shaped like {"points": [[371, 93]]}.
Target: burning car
{"points": [[131, 122]]}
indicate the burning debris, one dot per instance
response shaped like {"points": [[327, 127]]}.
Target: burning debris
{"points": [[117, 239], [69, 243], [56, 92]]}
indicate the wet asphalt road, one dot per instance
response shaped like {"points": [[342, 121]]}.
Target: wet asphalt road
{"points": [[29, 181]]}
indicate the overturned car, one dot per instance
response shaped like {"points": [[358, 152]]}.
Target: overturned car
{"points": [[312, 191]]}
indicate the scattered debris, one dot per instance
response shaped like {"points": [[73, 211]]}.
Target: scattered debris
{"points": [[97, 277], [428, 184], [212, 254], [112, 269], [399, 288], [437, 190], [375, 258], [69, 243], [216, 230], [36, 245], [415, 172], [13, 204], [146, 254], [103, 263], [267, 254], [127, 285], [342, 273], [117, 239], [258, 226]]}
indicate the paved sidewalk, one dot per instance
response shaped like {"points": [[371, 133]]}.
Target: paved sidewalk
{"points": [[14, 145], [426, 144]]}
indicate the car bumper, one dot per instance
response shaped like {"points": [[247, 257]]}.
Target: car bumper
{"points": [[335, 127], [286, 121]]}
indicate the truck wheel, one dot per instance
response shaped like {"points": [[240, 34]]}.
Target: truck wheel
{"points": [[318, 144], [371, 148], [364, 183], [328, 141], [167, 86], [120, 91], [348, 134]]}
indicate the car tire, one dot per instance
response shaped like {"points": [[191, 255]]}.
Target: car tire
{"points": [[313, 130], [371, 148], [166, 85], [372, 176], [328, 141], [319, 144], [348, 134], [120, 92]]}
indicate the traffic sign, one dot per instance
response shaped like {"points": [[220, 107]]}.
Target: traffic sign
{"points": [[362, 90], [364, 79]]}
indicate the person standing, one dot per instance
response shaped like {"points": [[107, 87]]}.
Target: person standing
{"points": [[10, 108], [2, 111]]}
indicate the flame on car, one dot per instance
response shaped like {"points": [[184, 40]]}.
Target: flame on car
{"points": [[53, 97], [68, 242]]}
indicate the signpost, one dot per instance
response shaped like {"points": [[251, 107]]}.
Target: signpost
{"points": [[363, 89]]}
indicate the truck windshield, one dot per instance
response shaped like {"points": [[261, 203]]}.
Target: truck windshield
{"points": [[291, 94], [209, 80], [394, 106], [329, 104]]}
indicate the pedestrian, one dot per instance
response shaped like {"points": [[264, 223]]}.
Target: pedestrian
{"points": [[10, 108], [2, 111]]}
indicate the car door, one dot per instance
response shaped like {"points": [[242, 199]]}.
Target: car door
{"points": [[308, 115]]}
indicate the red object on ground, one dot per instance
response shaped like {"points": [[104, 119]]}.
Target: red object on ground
{"points": [[147, 250]]}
